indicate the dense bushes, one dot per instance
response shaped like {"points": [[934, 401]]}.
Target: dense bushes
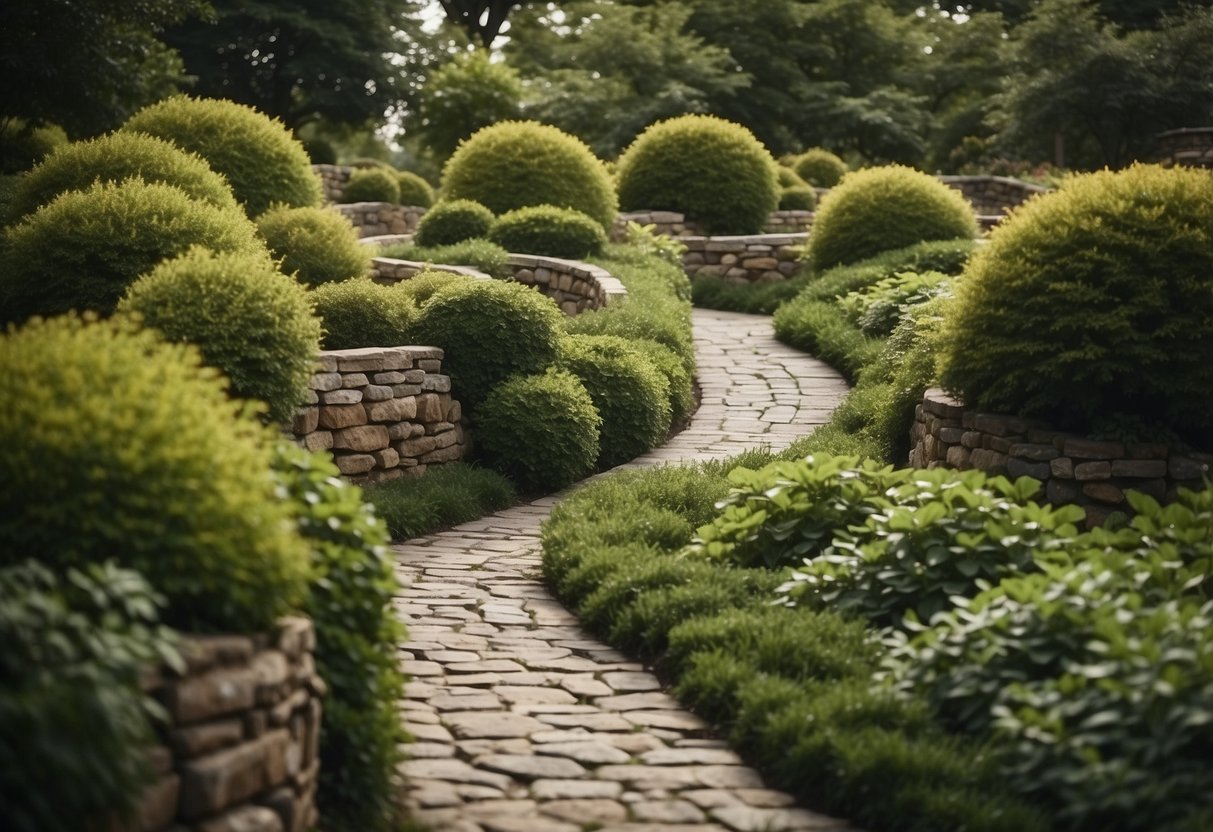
{"points": [[414, 190], [711, 170], [363, 313], [549, 231], [453, 221], [797, 198], [316, 245], [446, 496], [372, 185], [818, 166]]}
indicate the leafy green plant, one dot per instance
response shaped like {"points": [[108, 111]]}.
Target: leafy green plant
{"points": [[548, 230], [372, 185], [453, 221], [797, 198], [670, 365], [645, 238], [414, 190], [316, 245], [429, 282], [447, 495], [481, 254], [878, 308], [818, 166], [363, 313]]}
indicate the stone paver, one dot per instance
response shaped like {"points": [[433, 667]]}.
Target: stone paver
{"points": [[526, 722]]}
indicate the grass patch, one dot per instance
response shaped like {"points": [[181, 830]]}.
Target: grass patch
{"points": [[446, 496], [481, 255]]}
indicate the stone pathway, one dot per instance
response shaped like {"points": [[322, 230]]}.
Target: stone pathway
{"points": [[522, 721]]}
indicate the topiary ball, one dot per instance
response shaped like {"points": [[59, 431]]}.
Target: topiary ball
{"points": [[885, 208], [316, 245], [121, 447], [1092, 306], [797, 198], [513, 164], [631, 395], [414, 190], [550, 231], [541, 431], [453, 221], [788, 178], [362, 313], [263, 162], [116, 158], [427, 283], [83, 249], [489, 331], [248, 319], [818, 166], [371, 185], [712, 170]]}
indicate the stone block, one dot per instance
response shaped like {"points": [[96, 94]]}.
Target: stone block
{"points": [[401, 391], [1104, 492], [245, 819], [452, 453], [1062, 492], [158, 804], [1186, 468], [351, 465], [951, 435], [436, 384], [341, 397], [971, 439], [992, 462], [352, 380], [1092, 449], [418, 447], [1017, 467], [364, 438], [435, 428], [370, 359], [1087, 471], [376, 393], [320, 440], [1033, 451], [1144, 468], [1062, 467], [217, 781], [204, 652], [390, 377], [403, 430], [324, 382], [430, 408], [392, 410], [272, 672], [1001, 425], [196, 740], [306, 420], [386, 458], [1147, 450], [216, 693], [454, 412], [939, 403], [342, 416], [296, 638], [430, 365], [958, 457]]}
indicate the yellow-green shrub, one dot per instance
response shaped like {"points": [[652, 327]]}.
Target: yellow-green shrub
{"points": [[362, 313], [371, 185], [453, 221], [414, 190], [316, 245], [818, 166], [550, 231], [797, 198]]}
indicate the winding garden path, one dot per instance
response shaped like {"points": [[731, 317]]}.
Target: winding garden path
{"points": [[525, 723]]}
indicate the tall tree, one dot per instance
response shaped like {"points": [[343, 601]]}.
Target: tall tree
{"points": [[466, 93]]}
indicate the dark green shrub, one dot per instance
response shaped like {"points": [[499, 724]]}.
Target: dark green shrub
{"points": [[320, 152], [446, 496], [539, 430], [550, 231], [797, 198], [881, 209], [248, 319], [262, 160], [1091, 307], [8, 189], [818, 166], [22, 146], [513, 164], [788, 178], [83, 249], [711, 170], [115, 158], [822, 329], [630, 393], [414, 190], [670, 365], [372, 185], [363, 313], [316, 245], [478, 253], [453, 221], [122, 447]]}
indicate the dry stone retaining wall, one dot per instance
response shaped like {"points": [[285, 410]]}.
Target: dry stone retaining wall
{"points": [[993, 196], [673, 224], [373, 219], [761, 258], [1191, 146]]}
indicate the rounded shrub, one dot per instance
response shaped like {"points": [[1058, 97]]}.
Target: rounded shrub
{"points": [[797, 198], [1093, 305], [119, 446], [263, 162], [670, 365], [489, 332], [427, 283], [248, 319], [83, 249], [513, 164], [371, 185], [818, 166], [362, 313], [453, 221], [631, 395], [316, 245], [886, 208], [414, 190], [548, 230], [115, 158], [541, 431], [712, 170], [788, 178]]}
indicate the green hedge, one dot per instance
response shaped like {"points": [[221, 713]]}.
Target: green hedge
{"points": [[818, 166], [372, 185], [446, 496], [453, 221], [414, 190], [316, 245], [549, 231], [363, 313]]}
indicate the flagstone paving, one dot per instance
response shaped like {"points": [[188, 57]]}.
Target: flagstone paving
{"points": [[522, 721]]}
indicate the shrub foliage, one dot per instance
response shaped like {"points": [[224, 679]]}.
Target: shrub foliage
{"points": [[362, 313], [372, 185], [316, 245], [548, 230], [819, 167], [414, 190], [453, 221]]}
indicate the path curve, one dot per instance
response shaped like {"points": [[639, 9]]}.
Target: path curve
{"points": [[522, 721]]}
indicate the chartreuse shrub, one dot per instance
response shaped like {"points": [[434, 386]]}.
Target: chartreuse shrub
{"points": [[362, 313], [74, 724], [480, 254], [83, 249], [316, 245], [513, 164], [1091, 307], [548, 230], [818, 166], [539, 430], [414, 190], [371, 185], [429, 282], [123, 447], [248, 319], [710, 169], [797, 198], [115, 158], [446, 496], [263, 162], [788, 178], [453, 221], [881, 209], [8, 188]]}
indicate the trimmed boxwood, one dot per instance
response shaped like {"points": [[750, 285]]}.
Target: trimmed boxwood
{"points": [[453, 221], [316, 245], [414, 190], [550, 231], [797, 198], [371, 185], [427, 283], [788, 178], [362, 313], [818, 166]]}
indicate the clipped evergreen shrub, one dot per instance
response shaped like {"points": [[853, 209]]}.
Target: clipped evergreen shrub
{"points": [[414, 190], [362, 313], [550, 231], [539, 430], [371, 185], [316, 245], [427, 283], [477, 252], [263, 162], [248, 319], [115, 158], [1092, 307], [885, 208], [788, 178], [797, 198], [670, 365], [122, 447], [513, 164], [453, 221], [711, 170], [818, 166], [83, 249]]}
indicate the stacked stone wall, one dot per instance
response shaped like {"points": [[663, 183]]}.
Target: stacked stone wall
{"points": [[993, 196], [333, 179], [375, 219], [1190, 146], [760, 258], [673, 224]]}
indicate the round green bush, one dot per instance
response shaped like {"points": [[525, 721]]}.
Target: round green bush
{"points": [[513, 164], [371, 185], [427, 283], [414, 190], [818, 166], [712, 170], [885, 208], [797, 198], [541, 431], [453, 221], [1093, 305], [316, 245], [119, 446], [83, 249], [788, 178], [362, 313], [550, 231], [115, 158], [263, 162], [489, 331], [670, 365], [248, 319], [631, 395]]}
